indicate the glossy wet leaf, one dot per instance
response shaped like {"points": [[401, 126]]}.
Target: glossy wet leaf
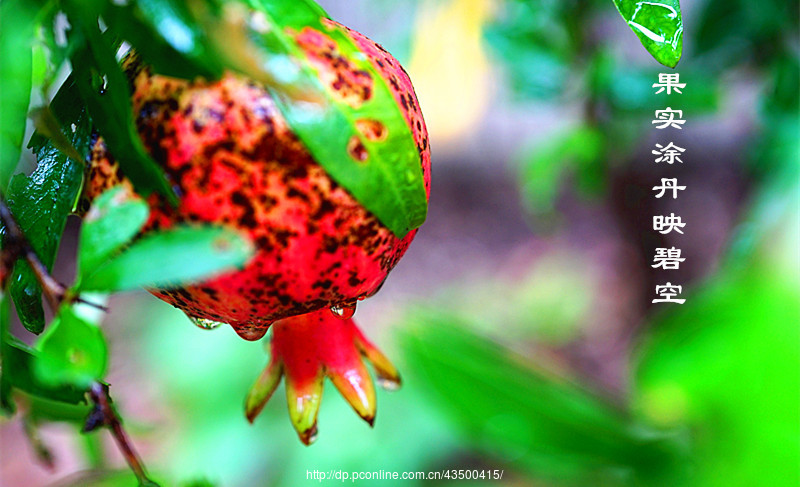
{"points": [[41, 202], [171, 257], [114, 218], [16, 39], [103, 87], [505, 405], [389, 181], [658, 25], [71, 352]]}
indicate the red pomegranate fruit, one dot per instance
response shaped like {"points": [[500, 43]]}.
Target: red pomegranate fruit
{"points": [[235, 161]]}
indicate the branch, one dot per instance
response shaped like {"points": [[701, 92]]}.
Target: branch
{"points": [[104, 415], [16, 246]]}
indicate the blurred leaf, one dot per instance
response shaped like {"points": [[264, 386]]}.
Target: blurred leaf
{"points": [[658, 25], [737, 30], [198, 483], [630, 91], [535, 42], [775, 153], [41, 202], [19, 363], [167, 37], [52, 54], [387, 179], [16, 372], [725, 365], [204, 38], [71, 352], [115, 217], [104, 478], [169, 258], [16, 40], [782, 96], [579, 150], [503, 404], [103, 87]]}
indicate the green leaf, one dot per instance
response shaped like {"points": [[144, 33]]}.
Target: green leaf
{"points": [[71, 352], [579, 150], [6, 367], [724, 364], [20, 362], [170, 258], [103, 87], [167, 37], [41, 202], [115, 217], [388, 182], [47, 49], [16, 370], [536, 43], [16, 40], [658, 25], [505, 405]]}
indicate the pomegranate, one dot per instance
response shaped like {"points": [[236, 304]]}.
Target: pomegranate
{"points": [[234, 160]]}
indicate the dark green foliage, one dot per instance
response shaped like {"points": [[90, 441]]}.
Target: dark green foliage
{"points": [[41, 202]]}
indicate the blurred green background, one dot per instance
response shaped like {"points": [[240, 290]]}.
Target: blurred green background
{"points": [[521, 317]]}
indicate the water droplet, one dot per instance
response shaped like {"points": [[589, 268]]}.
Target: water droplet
{"points": [[344, 311], [204, 323], [251, 331], [388, 384]]}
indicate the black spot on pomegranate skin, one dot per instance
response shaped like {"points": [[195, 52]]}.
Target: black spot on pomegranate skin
{"points": [[326, 284], [295, 193]]}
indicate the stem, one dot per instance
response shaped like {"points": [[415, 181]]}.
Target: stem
{"points": [[17, 246], [108, 417], [43, 453]]}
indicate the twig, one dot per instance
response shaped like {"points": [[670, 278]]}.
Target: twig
{"points": [[104, 415], [43, 453], [16, 247]]}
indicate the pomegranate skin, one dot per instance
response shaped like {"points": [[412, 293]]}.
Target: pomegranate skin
{"points": [[234, 160]]}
